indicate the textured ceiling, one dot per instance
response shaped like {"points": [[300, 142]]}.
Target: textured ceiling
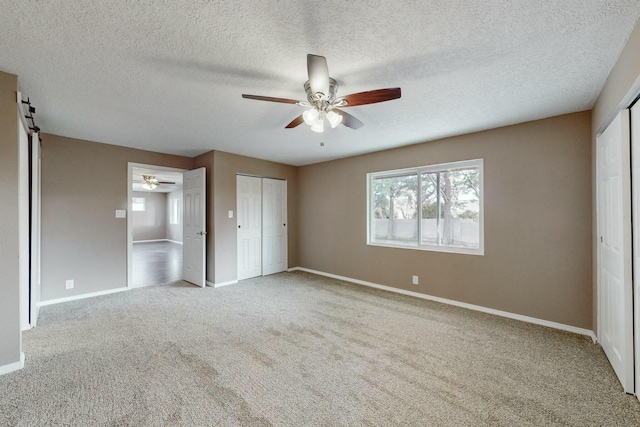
{"points": [[168, 76]]}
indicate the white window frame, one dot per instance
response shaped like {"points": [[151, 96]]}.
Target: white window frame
{"points": [[136, 201], [174, 211], [442, 167]]}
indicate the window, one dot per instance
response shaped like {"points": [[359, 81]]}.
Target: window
{"points": [[437, 207], [174, 211], [137, 204]]}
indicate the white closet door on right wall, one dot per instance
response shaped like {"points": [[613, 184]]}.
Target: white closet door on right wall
{"points": [[613, 210]]}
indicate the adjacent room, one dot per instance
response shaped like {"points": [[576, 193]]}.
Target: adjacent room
{"points": [[155, 226], [332, 213]]}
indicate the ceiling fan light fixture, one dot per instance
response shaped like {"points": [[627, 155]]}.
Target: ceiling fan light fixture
{"points": [[318, 125], [322, 97], [149, 186], [310, 116], [334, 119]]}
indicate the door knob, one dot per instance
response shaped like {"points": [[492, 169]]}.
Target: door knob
{"points": [[202, 233]]}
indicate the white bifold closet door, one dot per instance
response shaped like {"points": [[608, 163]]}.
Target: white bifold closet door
{"points": [[249, 207], [262, 226], [615, 287], [274, 226]]}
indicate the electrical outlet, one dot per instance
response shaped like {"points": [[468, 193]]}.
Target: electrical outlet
{"points": [[69, 284], [415, 280]]}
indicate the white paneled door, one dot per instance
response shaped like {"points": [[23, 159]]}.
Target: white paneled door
{"points": [[194, 227], [249, 213], [615, 291], [274, 226]]}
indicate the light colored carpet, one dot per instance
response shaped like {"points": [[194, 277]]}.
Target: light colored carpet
{"points": [[295, 349]]}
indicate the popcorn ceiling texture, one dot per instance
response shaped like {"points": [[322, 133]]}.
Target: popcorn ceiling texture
{"points": [[167, 76]]}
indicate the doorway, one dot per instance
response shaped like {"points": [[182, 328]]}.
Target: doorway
{"points": [[155, 225], [262, 226]]}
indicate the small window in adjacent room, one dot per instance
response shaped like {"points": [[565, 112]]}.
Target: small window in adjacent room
{"points": [[437, 207], [138, 204], [174, 211]]}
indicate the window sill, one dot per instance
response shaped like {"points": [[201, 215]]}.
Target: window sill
{"points": [[432, 248]]}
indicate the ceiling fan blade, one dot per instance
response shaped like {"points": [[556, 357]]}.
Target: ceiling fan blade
{"points": [[348, 120], [165, 182], [295, 122], [318, 74], [270, 99], [372, 96]]}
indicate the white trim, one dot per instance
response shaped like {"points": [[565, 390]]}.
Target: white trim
{"points": [[83, 296], [221, 284], [13, 366], [174, 241], [495, 312]]}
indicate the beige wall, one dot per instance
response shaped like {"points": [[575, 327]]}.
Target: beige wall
{"points": [[537, 225], [621, 88], [10, 337], [222, 169], [83, 183], [152, 223]]}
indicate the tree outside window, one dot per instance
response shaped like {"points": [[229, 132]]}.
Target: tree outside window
{"points": [[441, 209]]}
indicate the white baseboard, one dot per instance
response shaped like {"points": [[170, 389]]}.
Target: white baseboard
{"points": [[173, 241], [221, 284], [83, 296], [5, 369], [500, 313]]}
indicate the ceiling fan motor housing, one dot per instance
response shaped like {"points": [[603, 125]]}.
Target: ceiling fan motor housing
{"points": [[321, 100]]}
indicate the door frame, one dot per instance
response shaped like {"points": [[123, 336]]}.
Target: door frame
{"points": [[24, 220], [130, 166], [36, 223], [634, 116]]}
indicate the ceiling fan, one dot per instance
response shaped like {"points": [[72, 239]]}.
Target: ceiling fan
{"points": [[151, 182], [321, 97]]}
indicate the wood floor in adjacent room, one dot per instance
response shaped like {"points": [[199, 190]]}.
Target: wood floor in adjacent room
{"points": [[155, 263], [296, 349]]}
